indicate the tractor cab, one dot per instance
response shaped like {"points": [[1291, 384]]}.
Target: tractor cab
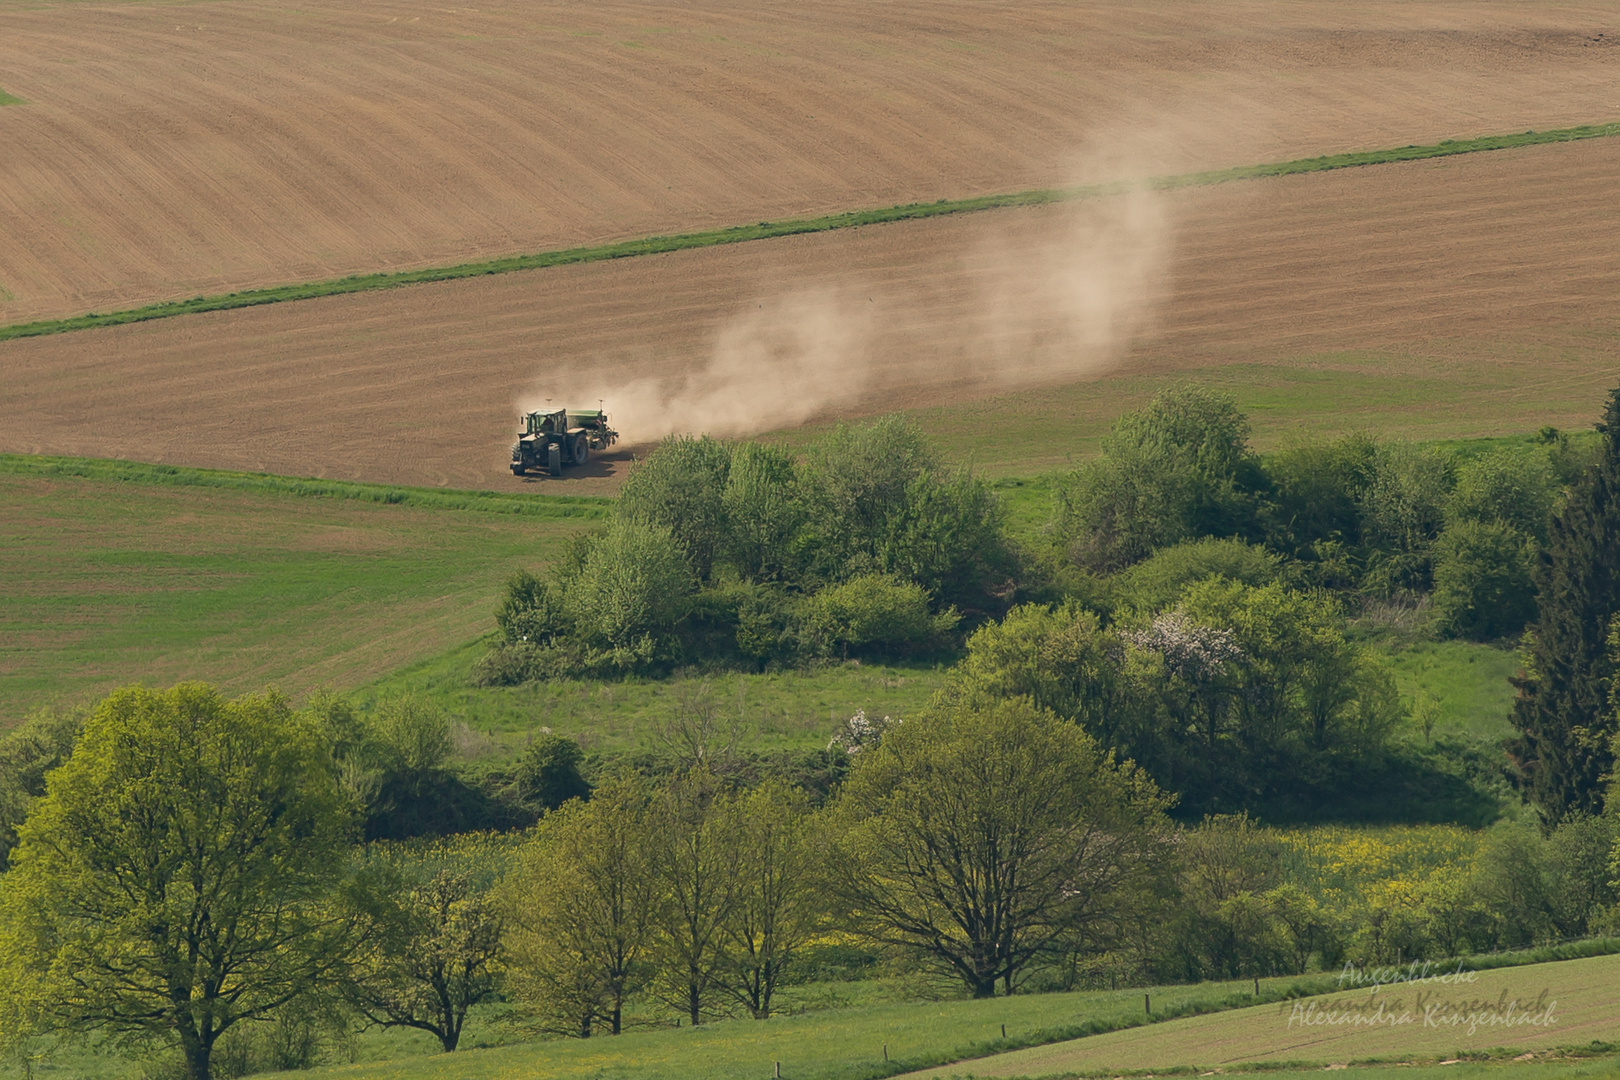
{"points": [[545, 423]]}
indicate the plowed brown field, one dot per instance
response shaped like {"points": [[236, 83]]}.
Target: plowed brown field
{"points": [[1468, 295], [166, 150]]}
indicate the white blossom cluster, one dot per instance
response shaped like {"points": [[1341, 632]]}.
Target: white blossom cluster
{"points": [[1193, 652], [860, 733]]}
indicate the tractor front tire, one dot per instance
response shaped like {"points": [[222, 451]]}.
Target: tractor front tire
{"points": [[518, 468], [582, 450], [554, 459]]}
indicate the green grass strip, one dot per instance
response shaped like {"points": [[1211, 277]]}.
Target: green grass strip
{"points": [[7, 99], [580, 507], [656, 245]]}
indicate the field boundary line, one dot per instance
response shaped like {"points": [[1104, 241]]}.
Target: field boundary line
{"points": [[766, 230], [556, 507]]}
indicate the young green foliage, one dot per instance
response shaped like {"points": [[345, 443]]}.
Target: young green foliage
{"points": [[176, 879], [581, 908], [433, 958], [978, 837]]}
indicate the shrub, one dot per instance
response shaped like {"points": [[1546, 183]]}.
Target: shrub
{"points": [[875, 611], [532, 611], [1158, 582], [1061, 659], [413, 738], [856, 481], [1512, 488], [946, 536], [763, 512], [1316, 493], [548, 772], [1178, 468], [633, 587], [679, 487], [1482, 581], [1403, 510]]}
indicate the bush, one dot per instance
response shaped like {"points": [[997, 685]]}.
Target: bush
{"points": [[27, 754], [633, 588], [1403, 510], [679, 487], [1316, 494], [856, 482], [548, 772], [413, 740], [531, 611], [1177, 469], [876, 612], [763, 511], [1483, 588], [1062, 659], [946, 537], [1158, 582], [1511, 488]]}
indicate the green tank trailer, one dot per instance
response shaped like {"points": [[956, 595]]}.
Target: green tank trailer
{"points": [[552, 438]]}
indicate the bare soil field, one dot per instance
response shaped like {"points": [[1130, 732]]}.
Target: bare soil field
{"points": [[161, 151], [1458, 297]]}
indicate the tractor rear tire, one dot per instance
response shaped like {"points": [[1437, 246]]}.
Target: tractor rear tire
{"points": [[554, 459], [582, 450]]}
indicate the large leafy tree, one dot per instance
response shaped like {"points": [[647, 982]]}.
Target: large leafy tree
{"points": [[694, 852], [981, 836], [176, 878], [1564, 748], [778, 902], [581, 907], [433, 959]]}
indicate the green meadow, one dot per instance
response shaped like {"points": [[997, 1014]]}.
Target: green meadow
{"points": [[157, 576]]}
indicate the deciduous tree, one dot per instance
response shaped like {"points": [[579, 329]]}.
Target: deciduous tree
{"points": [[434, 957], [176, 878], [978, 836], [778, 903], [581, 909]]}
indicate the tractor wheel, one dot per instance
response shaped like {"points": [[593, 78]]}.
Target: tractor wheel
{"points": [[554, 459], [518, 469], [582, 450]]}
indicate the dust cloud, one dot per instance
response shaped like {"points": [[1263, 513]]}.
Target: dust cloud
{"points": [[1030, 298]]}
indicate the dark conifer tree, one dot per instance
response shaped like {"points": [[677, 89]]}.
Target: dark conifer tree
{"points": [[1564, 749]]}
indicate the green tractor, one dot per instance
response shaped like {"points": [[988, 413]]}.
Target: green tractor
{"points": [[552, 439]]}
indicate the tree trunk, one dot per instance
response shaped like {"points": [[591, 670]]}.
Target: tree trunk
{"points": [[694, 1001], [199, 1059], [449, 1037], [618, 1015]]}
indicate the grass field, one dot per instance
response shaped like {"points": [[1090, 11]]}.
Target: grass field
{"points": [[7, 99], [788, 710], [109, 581], [1426, 1022], [837, 1043], [1553, 1067]]}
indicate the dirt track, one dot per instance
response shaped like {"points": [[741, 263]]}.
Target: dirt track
{"points": [[170, 150], [1512, 258]]}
